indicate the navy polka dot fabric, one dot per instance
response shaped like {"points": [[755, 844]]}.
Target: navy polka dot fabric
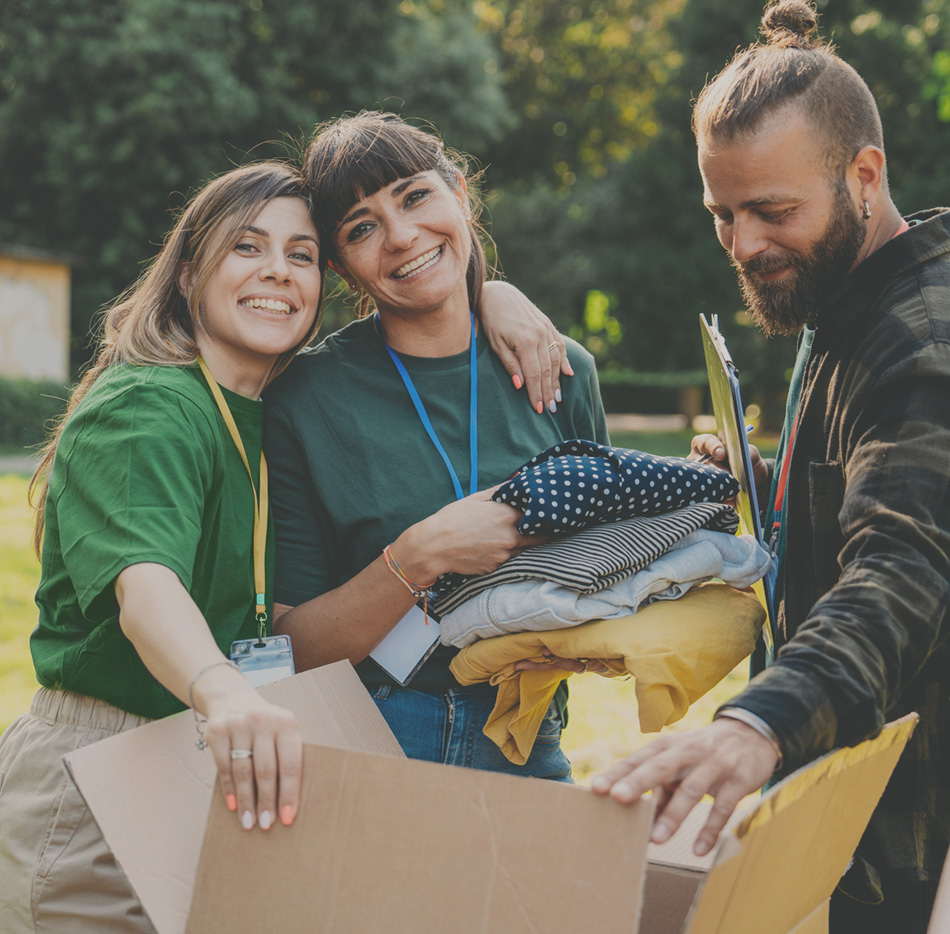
{"points": [[578, 483]]}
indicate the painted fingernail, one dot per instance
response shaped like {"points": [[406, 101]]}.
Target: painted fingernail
{"points": [[599, 783], [265, 820], [518, 381], [231, 801], [286, 815], [701, 848], [661, 833], [552, 406], [621, 791], [247, 820], [539, 408], [557, 395], [570, 369]]}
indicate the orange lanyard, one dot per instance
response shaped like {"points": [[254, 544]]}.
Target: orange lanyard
{"points": [[260, 504]]}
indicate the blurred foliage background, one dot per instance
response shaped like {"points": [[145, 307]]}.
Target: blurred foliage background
{"points": [[111, 111]]}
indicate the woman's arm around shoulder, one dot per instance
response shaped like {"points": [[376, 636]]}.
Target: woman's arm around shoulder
{"points": [[527, 343]]}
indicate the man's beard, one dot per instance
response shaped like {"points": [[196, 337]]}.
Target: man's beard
{"points": [[783, 307]]}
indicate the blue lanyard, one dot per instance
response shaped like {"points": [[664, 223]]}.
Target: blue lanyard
{"points": [[427, 424]]}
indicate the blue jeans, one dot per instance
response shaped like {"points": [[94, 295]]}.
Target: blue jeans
{"points": [[446, 727]]}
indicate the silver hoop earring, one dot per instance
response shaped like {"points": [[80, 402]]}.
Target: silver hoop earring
{"points": [[867, 210]]}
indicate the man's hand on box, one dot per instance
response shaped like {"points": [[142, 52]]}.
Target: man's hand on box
{"points": [[726, 759]]}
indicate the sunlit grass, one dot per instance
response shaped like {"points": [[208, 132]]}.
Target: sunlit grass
{"points": [[19, 575]]}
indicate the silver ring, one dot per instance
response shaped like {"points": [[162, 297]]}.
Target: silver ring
{"points": [[554, 344], [241, 753]]}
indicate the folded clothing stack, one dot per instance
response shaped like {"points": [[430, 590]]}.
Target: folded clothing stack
{"points": [[633, 531]]}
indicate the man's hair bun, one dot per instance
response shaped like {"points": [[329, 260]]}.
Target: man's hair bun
{"points": [[790, 23]]}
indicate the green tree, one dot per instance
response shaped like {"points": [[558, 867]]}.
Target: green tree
{"points": [[639, 232], [108, 106]]}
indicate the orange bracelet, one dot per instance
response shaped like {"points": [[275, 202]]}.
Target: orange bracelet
{"points": [[415, 589]]}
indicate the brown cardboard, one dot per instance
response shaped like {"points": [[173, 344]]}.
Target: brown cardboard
{"points": [[407, 846], [384, 843], [816, 922], [149, 789], [784, 858], [411, 847]]}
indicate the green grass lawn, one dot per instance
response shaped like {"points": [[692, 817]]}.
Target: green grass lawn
{"points": [[19, 574], [603, 721]]}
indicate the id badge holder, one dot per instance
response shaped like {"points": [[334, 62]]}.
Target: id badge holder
{"points": [[263, 660], [407, 646]]}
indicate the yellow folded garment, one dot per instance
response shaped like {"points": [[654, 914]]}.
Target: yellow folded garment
{"points": [[676, 650]]}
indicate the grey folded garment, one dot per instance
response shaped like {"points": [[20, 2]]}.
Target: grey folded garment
{"points": [[540, 605], [598, 556]]}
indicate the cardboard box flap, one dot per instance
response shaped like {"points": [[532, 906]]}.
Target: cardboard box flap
{"points": [[149, 788], [406, 846], [806, 828]]}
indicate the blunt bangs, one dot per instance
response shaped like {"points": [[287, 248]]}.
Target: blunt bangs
{"points": [[353, 159]]}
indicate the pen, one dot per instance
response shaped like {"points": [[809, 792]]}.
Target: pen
{"points": [[706, 458]]}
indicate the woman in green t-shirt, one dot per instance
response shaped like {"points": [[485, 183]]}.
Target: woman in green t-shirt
{"points": [[146, 521], [385, 439]]}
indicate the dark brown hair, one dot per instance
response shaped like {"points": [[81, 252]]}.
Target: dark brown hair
{"points": [[353, 157], [151, 323], [792, 66]]}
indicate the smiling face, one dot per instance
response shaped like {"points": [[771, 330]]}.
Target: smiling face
{"points": [[261, 300], [408, 246], [792, 231]]}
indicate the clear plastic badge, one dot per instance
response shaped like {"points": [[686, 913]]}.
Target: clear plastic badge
{"points": [[262, 661]]}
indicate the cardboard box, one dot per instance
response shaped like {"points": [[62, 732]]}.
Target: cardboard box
{"points": [[149, 789], [778, 862], [389, 844]]}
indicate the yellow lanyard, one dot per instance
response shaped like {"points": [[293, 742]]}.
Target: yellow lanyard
{"points": [[260, 505]]}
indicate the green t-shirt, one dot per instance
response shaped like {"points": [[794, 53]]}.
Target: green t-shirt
{"points": [[145, 471], [352, 466]]}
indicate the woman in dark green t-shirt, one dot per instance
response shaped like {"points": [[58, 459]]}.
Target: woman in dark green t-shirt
{"points": [[371, 502]]}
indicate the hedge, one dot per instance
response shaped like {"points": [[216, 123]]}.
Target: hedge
{"points": [[26, 407], [625, 390]]}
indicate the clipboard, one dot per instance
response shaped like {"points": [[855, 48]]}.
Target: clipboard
{"points": [[730, 424]]}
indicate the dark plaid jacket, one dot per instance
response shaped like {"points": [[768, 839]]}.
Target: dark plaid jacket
{"points": [[864, 621]]}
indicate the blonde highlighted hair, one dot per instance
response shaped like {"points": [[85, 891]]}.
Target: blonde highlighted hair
{"points": [[152, 323]]}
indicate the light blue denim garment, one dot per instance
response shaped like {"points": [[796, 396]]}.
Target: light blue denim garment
{"points": [[447, 726], [539, 606]]}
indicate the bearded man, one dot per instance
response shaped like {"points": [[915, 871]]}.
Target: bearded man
{"points": [[792, 159]]}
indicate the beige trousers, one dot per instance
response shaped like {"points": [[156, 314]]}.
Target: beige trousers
{"points": [[57, 876]]}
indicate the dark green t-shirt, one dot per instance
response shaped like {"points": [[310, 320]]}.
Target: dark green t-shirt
{"points": [[352, 466], [145, 471]]}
